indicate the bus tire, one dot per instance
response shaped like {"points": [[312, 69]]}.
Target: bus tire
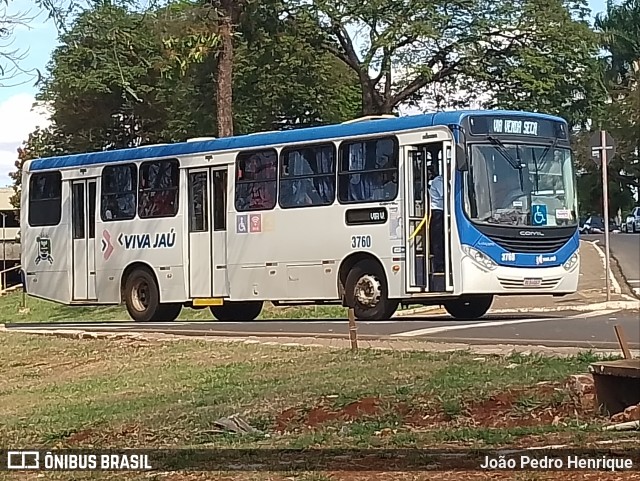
{"points": [[142, 296], [469, 307], [168, 312], [366, 290], [237, 311]]}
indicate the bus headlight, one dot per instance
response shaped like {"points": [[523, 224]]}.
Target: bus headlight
{"points": [[571, 263], [482, 260]]}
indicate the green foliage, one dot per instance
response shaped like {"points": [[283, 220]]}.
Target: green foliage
{"points": [[123, 78], [283, 79], [619, 113], [554, 70], [518, 50], [102, 82]]}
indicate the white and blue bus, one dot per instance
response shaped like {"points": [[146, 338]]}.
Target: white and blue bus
{"points": [[337, 214]]}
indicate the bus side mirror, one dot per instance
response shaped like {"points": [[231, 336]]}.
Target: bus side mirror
{"points": [[461, 158]]}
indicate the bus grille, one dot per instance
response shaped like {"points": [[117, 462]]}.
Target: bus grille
{"points": [[536, 245], [519, 283]]}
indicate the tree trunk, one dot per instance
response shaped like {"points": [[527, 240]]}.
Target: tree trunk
{"points": [[372, 101], [224, 94]]}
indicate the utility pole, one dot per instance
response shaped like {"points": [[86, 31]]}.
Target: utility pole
{"points": [[4, 250], [603, 148]]}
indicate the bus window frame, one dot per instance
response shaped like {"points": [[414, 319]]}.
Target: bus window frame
{"points": [[333, 175], [112, 194], [396, 155], [58, 200], [176, 188], [236, 181]]}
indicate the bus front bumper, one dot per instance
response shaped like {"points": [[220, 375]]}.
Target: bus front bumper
{"points": [[504, 280]]}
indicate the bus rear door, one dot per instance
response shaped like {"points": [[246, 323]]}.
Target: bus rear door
{"points": [[83, 226], [207, 232]]}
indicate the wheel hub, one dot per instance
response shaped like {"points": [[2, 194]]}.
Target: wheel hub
{"points": [[140, 296], [368, 290]]}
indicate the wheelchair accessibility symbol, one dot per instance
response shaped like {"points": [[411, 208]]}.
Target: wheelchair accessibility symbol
{"points": [[538, 214]]}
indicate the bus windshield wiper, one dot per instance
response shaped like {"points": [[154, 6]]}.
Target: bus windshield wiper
{"points": [[500, 147], [515, 163], [552, 145]]}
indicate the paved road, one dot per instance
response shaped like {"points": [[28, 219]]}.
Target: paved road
{"points": [[626, 249], [587, 329]]}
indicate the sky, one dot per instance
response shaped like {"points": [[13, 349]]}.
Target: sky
{"points": [[18, 117]]}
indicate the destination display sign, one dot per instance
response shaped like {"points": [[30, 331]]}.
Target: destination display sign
{"points": [[373, 215], [522, 126]]}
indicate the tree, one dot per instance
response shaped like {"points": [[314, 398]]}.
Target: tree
{"points": [[555, 71], [206, 30], [617, 111], [102, 80], [620, 28], [412, 45], [229, 14], [122, 78]]}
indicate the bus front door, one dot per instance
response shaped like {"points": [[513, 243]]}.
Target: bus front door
{"points": [[428, 254], [207, 232], [83, 225]]}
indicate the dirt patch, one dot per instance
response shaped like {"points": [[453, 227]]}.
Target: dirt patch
{"points": [[81, 437], [547, 404], [121, 435], [321, 414]]}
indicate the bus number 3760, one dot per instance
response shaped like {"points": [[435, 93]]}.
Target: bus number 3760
{"points": [[360, 241]]}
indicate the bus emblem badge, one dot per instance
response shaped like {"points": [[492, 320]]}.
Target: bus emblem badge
{"points": [[107, 246], [44, 249]]}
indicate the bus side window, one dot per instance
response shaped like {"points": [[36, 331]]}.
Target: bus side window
{"points": [[158, 189], [256, 180], [368, 171], [307, 176], [45, 199], [118, 196]]}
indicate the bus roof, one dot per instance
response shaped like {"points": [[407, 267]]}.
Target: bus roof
{"points": [[257, 140]]}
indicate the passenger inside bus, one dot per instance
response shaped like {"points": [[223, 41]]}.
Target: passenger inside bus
{"points": [[258, 191], [307, 178], [436, 222]]}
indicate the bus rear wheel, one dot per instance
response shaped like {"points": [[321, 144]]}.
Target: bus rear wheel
{"points": [[237, 311], [142, 298], [469, 307], [367, 292]]}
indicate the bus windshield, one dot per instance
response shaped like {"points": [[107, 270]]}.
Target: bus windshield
{"points": [[521, 185]]}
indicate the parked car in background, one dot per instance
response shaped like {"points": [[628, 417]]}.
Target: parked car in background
{"points": [[632, 222], [594, 224]]}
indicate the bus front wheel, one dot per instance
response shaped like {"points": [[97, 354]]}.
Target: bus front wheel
{"points": [[142, 298], [237, 311], [367, 292], [469, 307]]}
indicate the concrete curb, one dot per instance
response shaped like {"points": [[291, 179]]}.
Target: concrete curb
{"points": [[599, 306], [614, 282]]}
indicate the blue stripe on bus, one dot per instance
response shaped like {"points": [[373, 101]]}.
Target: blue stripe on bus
{"points": [[258, 140]]}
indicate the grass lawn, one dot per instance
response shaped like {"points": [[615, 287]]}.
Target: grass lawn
{"points": [[45, 311], [57, 392]]}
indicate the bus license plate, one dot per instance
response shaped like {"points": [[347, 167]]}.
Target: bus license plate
{"points": [[532, 281]]}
